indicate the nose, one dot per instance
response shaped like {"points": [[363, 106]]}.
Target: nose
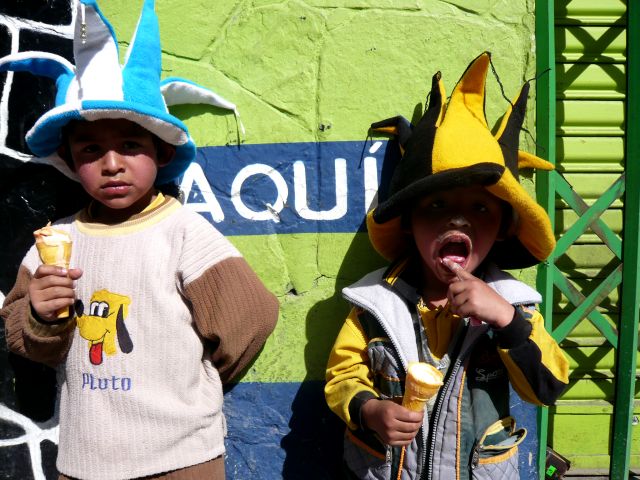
{"points": [[458, 221], [112, 163]]}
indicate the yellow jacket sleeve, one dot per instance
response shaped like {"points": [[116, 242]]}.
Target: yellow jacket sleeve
{"points": [[348, 371], [538, 369]]}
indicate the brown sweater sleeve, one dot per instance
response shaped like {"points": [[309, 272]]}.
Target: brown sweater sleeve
{"points": [[234, 310], [48, 344]]}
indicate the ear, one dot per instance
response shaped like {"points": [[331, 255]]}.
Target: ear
{"points": [[64, 153], [124, 339], [165, 153], [406, 224]]}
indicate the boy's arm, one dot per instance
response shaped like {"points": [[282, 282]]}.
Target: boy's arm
{"points": [[230, 306], [349, 384], [27, 335], [233, 310], [538, 370]]}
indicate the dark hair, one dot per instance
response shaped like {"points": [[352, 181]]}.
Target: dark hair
{"points": [[173, 190], [64, 150]]}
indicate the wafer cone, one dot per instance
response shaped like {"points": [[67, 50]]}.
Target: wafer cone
{"points": [[422, 383], [54, 248]]}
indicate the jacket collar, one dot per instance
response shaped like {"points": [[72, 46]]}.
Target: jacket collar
{"points": [[404, 276]]}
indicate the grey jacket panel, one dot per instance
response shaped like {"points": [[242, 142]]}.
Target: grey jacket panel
{"points": [[445, 442], [391, 310]]}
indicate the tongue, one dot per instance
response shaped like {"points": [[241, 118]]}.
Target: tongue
{"points": [[456, 252], [95, 353]]}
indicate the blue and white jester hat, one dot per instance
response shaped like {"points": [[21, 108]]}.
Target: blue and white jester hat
{"points": [[98, 87]]}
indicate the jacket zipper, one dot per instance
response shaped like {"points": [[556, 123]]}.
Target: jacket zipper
{"points": [[453, 371], [436, 414]]}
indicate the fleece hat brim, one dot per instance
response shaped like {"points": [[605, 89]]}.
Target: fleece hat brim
{"points": [[452, 146]]}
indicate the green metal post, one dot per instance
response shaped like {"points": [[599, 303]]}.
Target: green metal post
{"points": [[545, 189], [628, 338]]}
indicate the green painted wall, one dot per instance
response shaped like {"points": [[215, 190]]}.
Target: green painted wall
{"points": [[592, 64], [321, 70]]}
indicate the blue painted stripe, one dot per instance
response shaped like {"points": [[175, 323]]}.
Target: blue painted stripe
{"points": [[286, 430], [315, 205]]}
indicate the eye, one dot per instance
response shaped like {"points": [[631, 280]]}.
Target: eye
{"points": [[431, 206], [131, 145], [99, 309], [480, 207], [90, 148]]}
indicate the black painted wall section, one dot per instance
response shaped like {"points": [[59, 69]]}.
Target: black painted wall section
{"points": [[54, 12], [30, 195]]}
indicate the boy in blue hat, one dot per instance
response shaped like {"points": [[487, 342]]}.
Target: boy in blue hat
{"points": [[166, 310], [454, 216]]}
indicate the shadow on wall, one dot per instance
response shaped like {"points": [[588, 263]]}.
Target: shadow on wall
{"points": [[313, 446]]}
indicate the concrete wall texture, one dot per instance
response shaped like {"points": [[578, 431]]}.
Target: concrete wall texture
{"points": [[308, 78]]}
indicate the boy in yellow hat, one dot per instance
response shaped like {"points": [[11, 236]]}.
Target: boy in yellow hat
{"points": [[455, 215]]}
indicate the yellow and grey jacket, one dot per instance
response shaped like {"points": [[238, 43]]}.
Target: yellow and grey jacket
{"points": [[467, 430]]}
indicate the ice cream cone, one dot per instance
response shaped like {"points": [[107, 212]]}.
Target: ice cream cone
{"points": [[58, 255], [54, 248], [422, 383]]}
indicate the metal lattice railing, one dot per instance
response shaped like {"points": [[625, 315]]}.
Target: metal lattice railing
{"points": [[628, 340], [624, 277]]}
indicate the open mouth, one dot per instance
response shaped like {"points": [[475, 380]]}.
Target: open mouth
{"points": [[455, 247]]}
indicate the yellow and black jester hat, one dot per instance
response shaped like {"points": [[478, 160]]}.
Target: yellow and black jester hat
{"points": [[452, 146]]}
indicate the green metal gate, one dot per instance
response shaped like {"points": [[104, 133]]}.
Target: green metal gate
{"points": [[588, 125]]}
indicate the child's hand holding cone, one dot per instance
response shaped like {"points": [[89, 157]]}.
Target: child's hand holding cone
{"points": [[54, 248]]}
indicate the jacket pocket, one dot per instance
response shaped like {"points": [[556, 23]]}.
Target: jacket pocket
{"points": [[495, 454]]}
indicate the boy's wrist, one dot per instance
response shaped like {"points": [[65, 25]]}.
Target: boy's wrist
{"points": [[515, 333], [356, 404], [33, 314], [506, 317], [42, 328]]}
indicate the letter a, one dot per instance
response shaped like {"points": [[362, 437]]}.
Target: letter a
{"points": [[195, 175]]}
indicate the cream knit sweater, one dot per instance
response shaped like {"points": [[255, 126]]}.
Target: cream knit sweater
{"points": [[169, 308]]}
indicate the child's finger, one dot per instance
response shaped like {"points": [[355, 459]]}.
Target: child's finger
{"points": [[56, 304], [410, 420], [49, 281], [400, 440], [457, 288], [60, 291], [45, 270], [455, 268], [408, 429], [75, 273]]}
